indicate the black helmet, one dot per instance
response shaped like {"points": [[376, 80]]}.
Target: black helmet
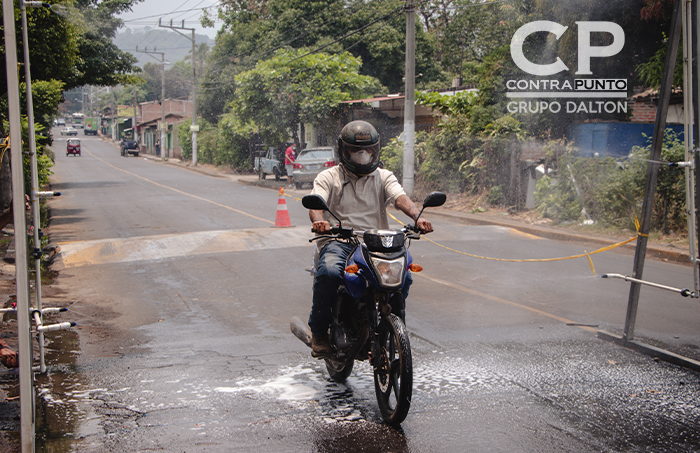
{"points": [[358, 147]]}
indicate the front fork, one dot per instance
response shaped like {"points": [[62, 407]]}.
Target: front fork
{"points": [[385, 304]]}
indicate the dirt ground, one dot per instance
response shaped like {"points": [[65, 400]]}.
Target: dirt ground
{"points": [[9, 388]]}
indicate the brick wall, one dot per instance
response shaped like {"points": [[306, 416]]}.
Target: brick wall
{"points": [[152, 110], [643, 112]]}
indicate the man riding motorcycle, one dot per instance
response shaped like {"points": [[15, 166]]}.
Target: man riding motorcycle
{"points": [[358, 192]]}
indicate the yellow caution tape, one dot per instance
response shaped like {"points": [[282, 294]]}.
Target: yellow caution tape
{"points": [[297, 199], [537, 260]]}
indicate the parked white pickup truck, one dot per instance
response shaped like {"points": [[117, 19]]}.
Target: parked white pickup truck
{"points": [[270, 162]]}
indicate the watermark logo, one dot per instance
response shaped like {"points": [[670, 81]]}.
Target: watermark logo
{"points": [[538, 94]]}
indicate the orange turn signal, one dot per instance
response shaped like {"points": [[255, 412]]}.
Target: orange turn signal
{"points": [[415, 267], [353, 268]]}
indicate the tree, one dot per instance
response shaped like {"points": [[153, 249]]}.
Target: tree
{"points": [[201, 50], [65, 54], [178, 81], [101, 62], [372, 30], [294, 88]]}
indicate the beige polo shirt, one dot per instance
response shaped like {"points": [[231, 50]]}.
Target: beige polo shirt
{"points": [[359, 202]]}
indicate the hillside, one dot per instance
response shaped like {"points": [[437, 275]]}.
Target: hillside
{"points": [[175, 46]]}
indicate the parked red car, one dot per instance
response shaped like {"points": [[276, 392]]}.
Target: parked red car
{"points": [[73, 147]]}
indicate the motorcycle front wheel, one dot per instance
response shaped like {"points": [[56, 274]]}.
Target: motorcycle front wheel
{"points": [[393, 374]]}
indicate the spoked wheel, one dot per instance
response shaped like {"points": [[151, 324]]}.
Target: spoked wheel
{"points": [[393, 376], [339, 372]]}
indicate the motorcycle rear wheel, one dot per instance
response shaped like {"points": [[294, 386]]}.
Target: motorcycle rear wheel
{"points": [[393, 375]]}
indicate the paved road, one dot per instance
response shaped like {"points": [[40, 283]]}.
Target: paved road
{"points": [[183, 294]]}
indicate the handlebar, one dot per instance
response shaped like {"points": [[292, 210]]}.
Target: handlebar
{"points": [[337, 232]]}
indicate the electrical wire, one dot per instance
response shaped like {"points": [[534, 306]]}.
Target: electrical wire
{"points": [[361, 6], [348, 35], [166, 14], [455, 7], [387, 18]]}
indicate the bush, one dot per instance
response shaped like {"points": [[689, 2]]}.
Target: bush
{"points": [[610, 191], [214, 145]]}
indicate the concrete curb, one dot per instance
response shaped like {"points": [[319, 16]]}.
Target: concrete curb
{"points": [[652, 351]]}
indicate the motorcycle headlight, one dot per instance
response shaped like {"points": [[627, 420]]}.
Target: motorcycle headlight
{"points": [[389, 272]]}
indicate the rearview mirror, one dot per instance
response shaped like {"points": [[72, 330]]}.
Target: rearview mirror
{"points": [[435, 199], [315, 202]]}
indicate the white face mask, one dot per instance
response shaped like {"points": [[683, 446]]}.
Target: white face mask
{"points": [[360, 157]]}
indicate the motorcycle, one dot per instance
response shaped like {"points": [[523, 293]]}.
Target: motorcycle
{"points": [[368, 314]]}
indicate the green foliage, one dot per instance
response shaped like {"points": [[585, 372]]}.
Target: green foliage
{"points": [[556, 194], [46, 96], [101, 63], [185, 137], [392, 155], [372, 31], [44, 157], [618, 199], [271, 100], [496, 195], [612, 192], [460, 162], [292, 88], [622, 194], [651, 71]]}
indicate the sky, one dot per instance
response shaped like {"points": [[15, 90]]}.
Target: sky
{"points": [[148, 12]]}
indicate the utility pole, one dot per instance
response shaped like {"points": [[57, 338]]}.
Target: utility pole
{"points": [[194, 128], [409, 119], [162, 95], [133, 121]]}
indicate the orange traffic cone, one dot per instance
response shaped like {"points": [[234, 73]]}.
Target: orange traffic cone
{"points": [[282, 219]]}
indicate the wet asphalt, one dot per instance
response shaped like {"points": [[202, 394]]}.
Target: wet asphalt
{"points": [[194, 354]]}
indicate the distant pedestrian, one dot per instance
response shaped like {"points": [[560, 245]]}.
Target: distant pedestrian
{"points": [[157, 147], [289, 159]]}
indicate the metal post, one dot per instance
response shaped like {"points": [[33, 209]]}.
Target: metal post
{"points": [[409, 120], [653, 170], [26, 388], [34, 195], [695, 70], [689, 139]]}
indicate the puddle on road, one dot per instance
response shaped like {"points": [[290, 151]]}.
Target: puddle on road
{"points": [[59, 418]]}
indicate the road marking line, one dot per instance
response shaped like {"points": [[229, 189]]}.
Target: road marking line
{"points": [[505, 302], [181, 192]]}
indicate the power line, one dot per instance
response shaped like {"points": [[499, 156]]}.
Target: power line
{"points": [[349, 34], [455, 7], [225, 58], [171, 12], [388, 17]]}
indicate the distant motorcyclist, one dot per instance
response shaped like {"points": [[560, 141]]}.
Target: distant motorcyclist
{"points": [[358, 192]]}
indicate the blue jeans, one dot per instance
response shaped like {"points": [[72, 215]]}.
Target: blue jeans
{"points": [[329, 275]]}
